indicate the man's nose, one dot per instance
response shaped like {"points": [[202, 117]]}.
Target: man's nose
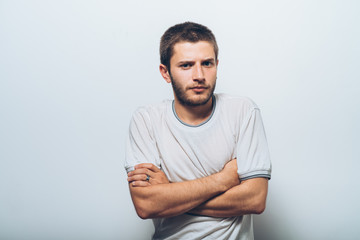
{"points": [[198, 73]]}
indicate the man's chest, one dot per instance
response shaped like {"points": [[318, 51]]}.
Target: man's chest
{"points": [[187, 155]]}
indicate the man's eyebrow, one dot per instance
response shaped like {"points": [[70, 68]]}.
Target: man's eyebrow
{"points": [[185, 61], [211, 59]]}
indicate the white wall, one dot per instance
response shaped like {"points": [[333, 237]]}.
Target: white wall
{"points": [[72, 72]]}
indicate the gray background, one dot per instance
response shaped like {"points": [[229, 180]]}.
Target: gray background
{"points": [[72, 73]]}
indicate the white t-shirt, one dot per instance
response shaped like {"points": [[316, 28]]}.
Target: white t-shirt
{"points": [[185, 152]]}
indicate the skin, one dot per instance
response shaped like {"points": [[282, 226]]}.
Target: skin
{"points": [[193, 76], [247, 197], [152, 200], [193, 72]]}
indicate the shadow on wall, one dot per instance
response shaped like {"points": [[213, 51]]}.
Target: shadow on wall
{"points": [[266, 227]]}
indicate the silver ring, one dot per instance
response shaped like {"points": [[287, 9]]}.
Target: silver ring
{"points": [[147, 177]]}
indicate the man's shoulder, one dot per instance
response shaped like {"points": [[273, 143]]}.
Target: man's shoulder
{"points": [[151, 110], [235, 102]]}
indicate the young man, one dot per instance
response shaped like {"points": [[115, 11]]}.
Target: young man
{"points": [[198, 165]]}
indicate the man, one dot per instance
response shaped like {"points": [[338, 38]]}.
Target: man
{"points": [[198, 165]]}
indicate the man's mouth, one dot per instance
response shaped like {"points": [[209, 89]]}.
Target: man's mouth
{"points": [[198, 89]]}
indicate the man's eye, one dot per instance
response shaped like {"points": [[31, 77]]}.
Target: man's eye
{"points": [[207, 64], [185, 65]]}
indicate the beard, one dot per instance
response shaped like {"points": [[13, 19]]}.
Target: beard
{"points": [[200, 99]]}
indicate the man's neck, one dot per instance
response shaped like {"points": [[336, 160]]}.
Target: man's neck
{"points": [[193, 115]]}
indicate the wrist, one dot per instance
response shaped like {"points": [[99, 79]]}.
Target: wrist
{"points": [[228, 178], [223, 181]]}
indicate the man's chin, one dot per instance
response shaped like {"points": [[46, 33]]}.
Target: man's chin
{"points": [[197, 101]]}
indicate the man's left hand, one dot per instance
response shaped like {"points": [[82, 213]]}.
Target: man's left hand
{"points": [[146, 174]]}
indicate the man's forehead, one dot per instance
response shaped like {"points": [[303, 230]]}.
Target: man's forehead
{"points": [[202, 49]]}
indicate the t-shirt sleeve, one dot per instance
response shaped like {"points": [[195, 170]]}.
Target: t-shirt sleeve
{"points": [[252, 153], [140, 143]]}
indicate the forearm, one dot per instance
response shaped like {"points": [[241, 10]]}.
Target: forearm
{"points": [[249, 197], [171, 199]]}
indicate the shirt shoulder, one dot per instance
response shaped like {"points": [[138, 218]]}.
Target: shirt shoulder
{"points": [[238, 105], [148, 112]]}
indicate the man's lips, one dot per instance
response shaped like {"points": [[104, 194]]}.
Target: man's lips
{"points": [[198, 88]]}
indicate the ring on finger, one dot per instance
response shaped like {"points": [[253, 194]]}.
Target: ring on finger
{"points": [[147, 178]]}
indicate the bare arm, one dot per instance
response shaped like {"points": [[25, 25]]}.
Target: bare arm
{"points": [[171, 199], [249, 197]]}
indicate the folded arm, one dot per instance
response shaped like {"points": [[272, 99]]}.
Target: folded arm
{"points": [[204, 196], [249, 197], [159, 198]]}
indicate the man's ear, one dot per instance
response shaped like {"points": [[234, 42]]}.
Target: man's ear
{"points": [[165, 73]]}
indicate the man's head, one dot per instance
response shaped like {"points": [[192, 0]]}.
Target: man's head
{"points": [[190, 51], [184, 32]]}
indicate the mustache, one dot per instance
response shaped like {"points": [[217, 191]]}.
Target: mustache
{"points": [[199, 86]]}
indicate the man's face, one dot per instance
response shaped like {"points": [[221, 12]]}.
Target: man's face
{"points": [[193, 70]]}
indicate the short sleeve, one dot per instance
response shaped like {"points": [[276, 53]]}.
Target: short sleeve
{"points": [[140, 143], [252, 153]]}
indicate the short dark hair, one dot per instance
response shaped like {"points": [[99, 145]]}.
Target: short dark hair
{"points": [[184, 32]]}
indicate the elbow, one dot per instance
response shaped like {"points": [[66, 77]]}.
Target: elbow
{"points": [[146, 210], [259, 205], [143, 206], [143, 212], [260, 201], [259, 208]]}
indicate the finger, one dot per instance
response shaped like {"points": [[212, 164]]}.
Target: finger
{"points": [[140, 171], [140, 183], [154, 168], [149, 166], [139, 177], [143, 165]]}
